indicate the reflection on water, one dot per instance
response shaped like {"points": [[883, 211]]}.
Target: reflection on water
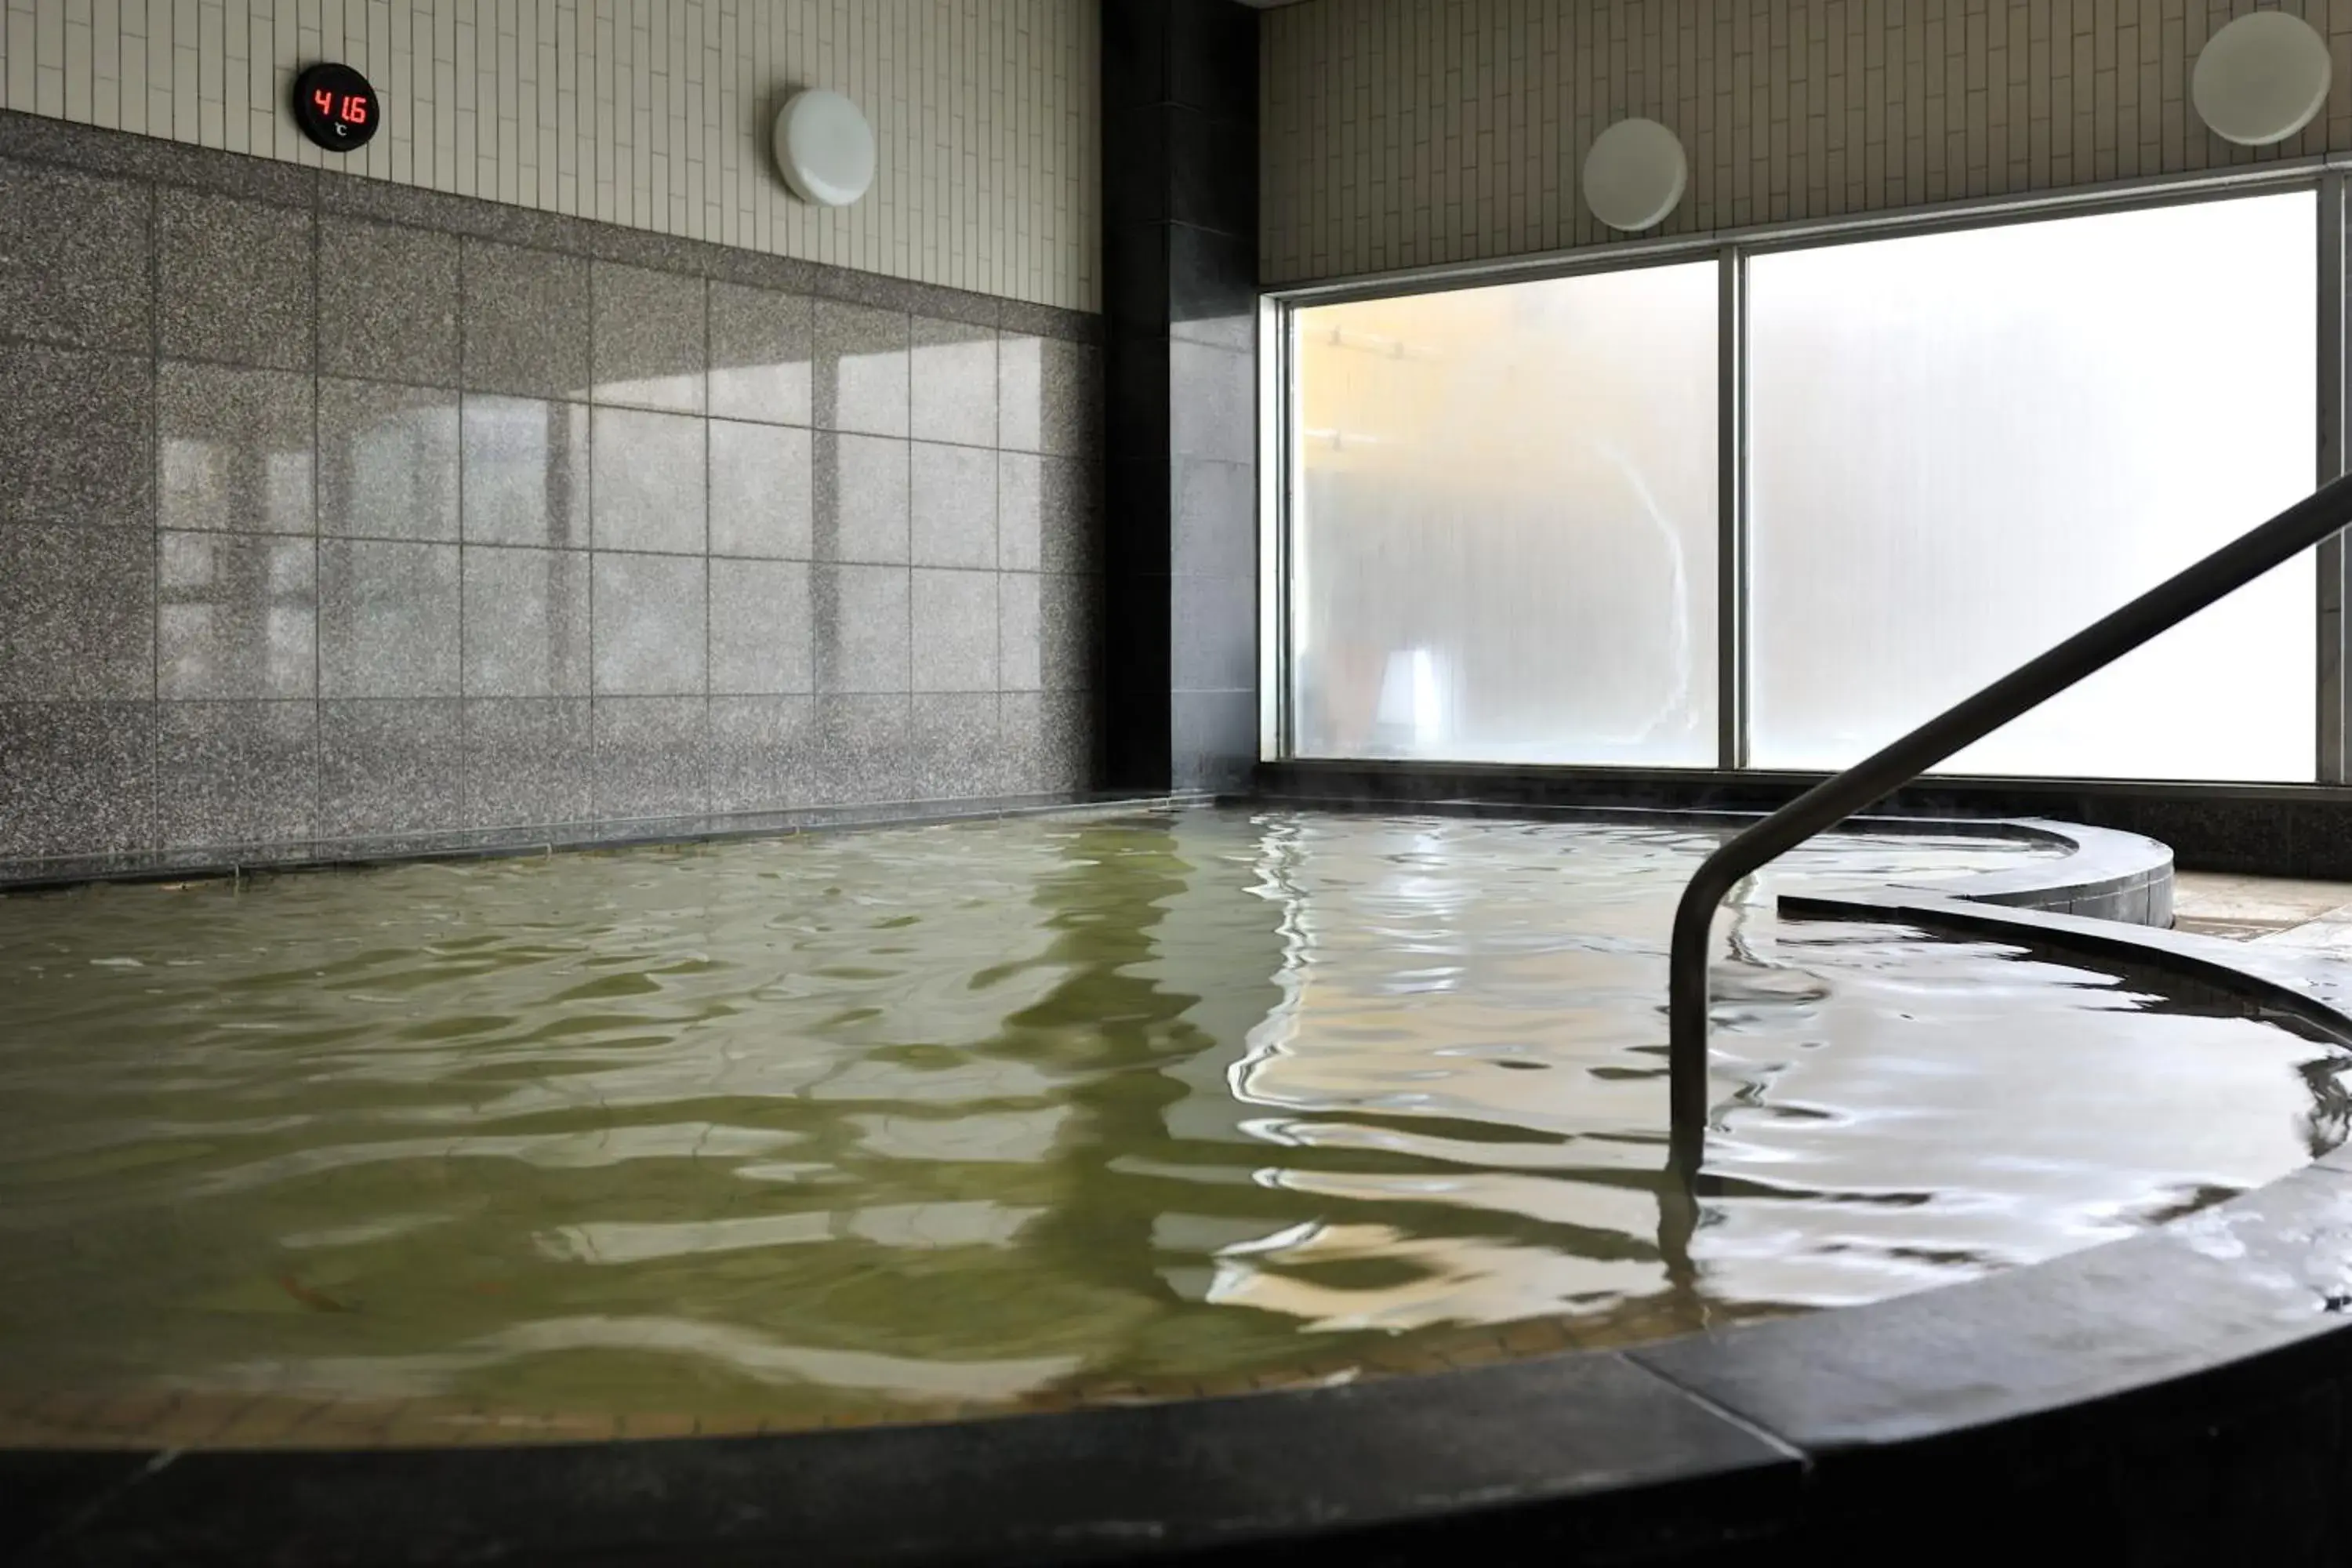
{"points": [[830, 1123]]}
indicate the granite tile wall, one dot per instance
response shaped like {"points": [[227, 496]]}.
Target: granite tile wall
{"points": [[332, 511]]}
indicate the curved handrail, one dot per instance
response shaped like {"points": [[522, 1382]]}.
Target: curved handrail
{"points": [[2312, 520]]}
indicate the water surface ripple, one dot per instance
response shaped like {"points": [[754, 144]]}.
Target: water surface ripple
{"points": [[838, 1125]]}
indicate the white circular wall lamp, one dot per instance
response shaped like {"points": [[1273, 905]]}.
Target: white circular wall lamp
{"points": [[824, 149], [2261, 79], [1634, 174]]}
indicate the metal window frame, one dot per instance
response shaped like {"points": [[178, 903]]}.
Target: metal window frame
{"points": [[1731, 250], [2333, 764], [1731, 509]]}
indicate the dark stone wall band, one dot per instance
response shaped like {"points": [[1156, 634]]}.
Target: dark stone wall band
{"points": [[1180, 113]]}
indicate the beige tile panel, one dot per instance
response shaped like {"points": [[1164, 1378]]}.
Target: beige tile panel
{"points": [[1414, 132], [643, 113]]}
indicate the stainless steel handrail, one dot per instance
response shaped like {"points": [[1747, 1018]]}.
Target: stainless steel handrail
{"points": [[2310, 521]]}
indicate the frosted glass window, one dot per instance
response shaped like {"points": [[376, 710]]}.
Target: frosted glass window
{"points": [[1505, 523], [1964, 447]]}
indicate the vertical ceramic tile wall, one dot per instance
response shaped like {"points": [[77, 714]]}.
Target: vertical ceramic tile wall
{"points": [[1405, 134], [333, 511], [651, 113]]}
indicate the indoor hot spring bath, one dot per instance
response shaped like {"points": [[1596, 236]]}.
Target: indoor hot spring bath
{"points": [[912, 1123]]}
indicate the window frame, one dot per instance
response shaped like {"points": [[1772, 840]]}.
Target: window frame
{"points": [[1730, 250]]}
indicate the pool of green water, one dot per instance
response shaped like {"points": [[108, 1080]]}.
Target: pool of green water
{"points": [[847, 1123]]}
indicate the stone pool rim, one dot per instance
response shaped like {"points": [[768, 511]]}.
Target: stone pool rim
{"points": [[2182, 1390]]}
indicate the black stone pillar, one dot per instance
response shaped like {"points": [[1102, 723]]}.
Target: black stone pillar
{"points": [[1180, 258]]}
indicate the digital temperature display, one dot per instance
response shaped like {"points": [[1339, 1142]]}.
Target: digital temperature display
{"points": [[336, 106]]}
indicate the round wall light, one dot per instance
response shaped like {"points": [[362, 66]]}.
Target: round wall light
{"points": [[1634, 174], [2261, 79], [824, 149]]}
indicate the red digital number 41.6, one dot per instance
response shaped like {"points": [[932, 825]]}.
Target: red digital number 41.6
{"points": [[335, 107], [351, 109]]}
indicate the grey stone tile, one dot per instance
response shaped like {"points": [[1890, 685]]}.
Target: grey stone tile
{"points": [[234, 279], [759, 270], [1212, 739], [1215, 634], [236, 773], [952, 395], [626, 246], [76, 613], [523, 322], [1020, 511], [526, 622], [383, 202], [652, 756], [1069, 514], [387, 460], [861, 628], [861, 498], [760, 626], [1019, 317], [1211, 403], [1049, 396], [528, 761], [390, 766], [1021, 741], [953, 746], [936, 300], [761, 343], [652, 625], [526, 471], [863, 747], [387, 302], [1065, 740], [649, 336], [764, 753], [76, 436], [1212, 520], [237, 615], [73, 258], [761, 490], [860, 369], [40, 138], [236, 450], [953, 505], [76, 778], [954, 630], [650, 472], [1020, 632], [388, 619], [881, 292], [1211, 278], [1068, 625]]}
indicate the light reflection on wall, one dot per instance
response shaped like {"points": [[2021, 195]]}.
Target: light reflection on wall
{"points": [[207, 585]]}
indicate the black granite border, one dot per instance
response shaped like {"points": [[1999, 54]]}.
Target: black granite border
{"points": [[2181, 1396], [38, 139]]}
